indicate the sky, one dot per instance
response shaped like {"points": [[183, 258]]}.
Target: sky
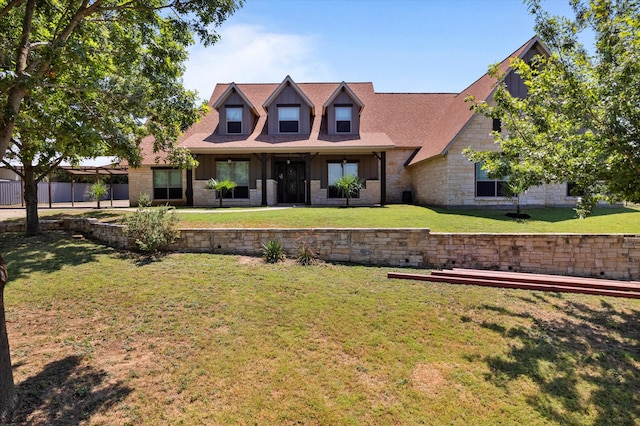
{"points": [[401, 46]]}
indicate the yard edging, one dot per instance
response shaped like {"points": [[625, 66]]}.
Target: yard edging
{"points": [[614, 256]]}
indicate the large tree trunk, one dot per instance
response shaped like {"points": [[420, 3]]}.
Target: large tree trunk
{"points": [[8, 396], [31, 200]]}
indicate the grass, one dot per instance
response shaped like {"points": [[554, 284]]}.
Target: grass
{"points": [[101, 337], [606, 220]]}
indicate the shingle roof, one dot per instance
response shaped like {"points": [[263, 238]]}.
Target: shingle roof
{"points": [[458, 113], [428, 121]]}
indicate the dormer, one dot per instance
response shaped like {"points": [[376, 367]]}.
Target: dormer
{"points": [[237, 115], [342, 110], [289, 110]]}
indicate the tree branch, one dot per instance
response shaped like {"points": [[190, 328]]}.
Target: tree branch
{"points": [[9, 7]]}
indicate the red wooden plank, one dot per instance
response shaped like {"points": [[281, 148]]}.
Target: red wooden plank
{"points": [[451, 278]]}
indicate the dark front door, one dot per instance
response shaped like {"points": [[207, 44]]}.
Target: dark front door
{"points": [[291, 183]]}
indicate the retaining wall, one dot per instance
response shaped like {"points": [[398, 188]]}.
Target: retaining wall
{"points": [[613, 256]]}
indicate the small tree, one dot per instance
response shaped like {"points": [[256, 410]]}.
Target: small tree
{"points": [[221, 187], [348, 186], [98, 190]]}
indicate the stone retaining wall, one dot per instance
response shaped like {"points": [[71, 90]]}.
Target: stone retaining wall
{"points": [[614, 256]]}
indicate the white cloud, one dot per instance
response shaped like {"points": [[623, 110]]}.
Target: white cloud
{"points": [[250, 54]]}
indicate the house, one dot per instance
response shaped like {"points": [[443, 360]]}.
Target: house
{"points": [[287, 143]]}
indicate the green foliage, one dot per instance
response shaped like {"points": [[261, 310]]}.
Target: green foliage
{"points": [[85, 79], [98, 190], [580, 122], [273, 251], [152, 228], [348, 186], [144, 200], [221, 187]]}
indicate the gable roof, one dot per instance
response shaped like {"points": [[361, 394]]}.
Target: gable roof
{"points": [[459, 113], [233, 88], [288, 82], [344, 87], [427, 122]]}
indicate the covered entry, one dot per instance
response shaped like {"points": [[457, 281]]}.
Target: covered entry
{"points": [[291, 182]]}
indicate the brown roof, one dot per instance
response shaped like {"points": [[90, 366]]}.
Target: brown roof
{"points": [[429, 121], [458, 113]]}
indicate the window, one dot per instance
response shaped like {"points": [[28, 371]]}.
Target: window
{"points": [[289, 119], [236, 171], [336, 171], [167, 184], [573, 190], [487, 187], [497, 125], [234, 119], [343, 119]]}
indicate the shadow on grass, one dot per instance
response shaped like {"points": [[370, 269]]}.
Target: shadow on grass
{"points": [[66, 392], [586, 364], [549, 215], [47, 252]]}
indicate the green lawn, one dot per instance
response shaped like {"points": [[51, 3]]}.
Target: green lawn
{"points": [[604, 219], [101, 337]]}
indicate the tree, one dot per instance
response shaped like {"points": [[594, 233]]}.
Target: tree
{"points": [[221, 187], [348, 186], [98, 190], [84, 78], [8, 396], [580, 122]]}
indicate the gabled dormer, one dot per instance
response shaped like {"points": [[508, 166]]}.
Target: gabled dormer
{"points": [[342, 111], [289, 110], [237, 115]]}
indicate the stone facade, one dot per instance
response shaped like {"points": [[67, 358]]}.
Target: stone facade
{"points": [[449, 180], [614, 256]]}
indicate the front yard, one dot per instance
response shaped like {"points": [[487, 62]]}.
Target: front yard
{"points": [[101, 337], [605, 220]]}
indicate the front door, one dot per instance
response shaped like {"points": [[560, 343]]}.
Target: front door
{"points": [[291, 183]]}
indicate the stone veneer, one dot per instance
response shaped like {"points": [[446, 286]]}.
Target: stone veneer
{"points": [[449, 180], [614, 256]]}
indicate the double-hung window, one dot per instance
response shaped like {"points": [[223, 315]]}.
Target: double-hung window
{"points": [[167, 184], [236, 171], [487, 187], [234, 119], [335, 172], [289, 119], [343, 119]]}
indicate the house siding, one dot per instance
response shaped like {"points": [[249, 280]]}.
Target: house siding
{"points": [[343, 99], [288, 96], [248, 121]]}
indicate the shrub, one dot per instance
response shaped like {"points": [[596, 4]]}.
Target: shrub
{"points": [[152, 228], [306, 255], [273, 251], [144, 200]]}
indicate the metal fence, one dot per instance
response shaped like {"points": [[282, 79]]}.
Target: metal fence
{"points": [[61, 192]]}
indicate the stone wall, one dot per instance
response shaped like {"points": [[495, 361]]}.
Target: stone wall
{"points": [[613, 256]]}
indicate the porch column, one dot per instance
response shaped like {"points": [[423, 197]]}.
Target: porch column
{"points": [[189, 191], [383, 177], [307, 176], [263, 160]]}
